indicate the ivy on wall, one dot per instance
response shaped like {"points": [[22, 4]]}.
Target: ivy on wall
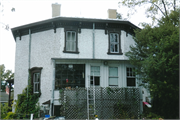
{"points": [[27, 103]]}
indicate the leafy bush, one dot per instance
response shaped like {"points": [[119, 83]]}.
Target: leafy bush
{"points": [[4, 110], [25, 105], [11, 115]]}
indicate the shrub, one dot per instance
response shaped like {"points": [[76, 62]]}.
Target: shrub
{"points": [[11, 115], [4, 110]]}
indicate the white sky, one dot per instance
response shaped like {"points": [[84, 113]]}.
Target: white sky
{"points": [[29, 11]]}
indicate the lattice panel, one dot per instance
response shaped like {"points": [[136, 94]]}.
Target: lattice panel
{"points": [[110, 103]]}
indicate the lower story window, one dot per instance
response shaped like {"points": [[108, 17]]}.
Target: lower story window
{"points": [[36, 82], [95, 75], [69, 76], [36, 79], [131, 80], [113, 76]]}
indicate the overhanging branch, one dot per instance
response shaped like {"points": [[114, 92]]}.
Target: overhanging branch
{"points": [[158, 8]]}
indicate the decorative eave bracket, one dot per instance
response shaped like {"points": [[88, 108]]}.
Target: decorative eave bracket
{"points": [[19, 34], [54, 27], [79, 27], [106, 29]]}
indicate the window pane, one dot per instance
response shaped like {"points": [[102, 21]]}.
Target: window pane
{"points": [[36, 87], [96, 80], [68, 45], [112, 48], [68, 36], [113, 81], [114, 42], [71, 41], [73, 36], [70, 77], [95, 70], [131, 82], [116, 48], [73, 46], [111, 37], [113, 71]]}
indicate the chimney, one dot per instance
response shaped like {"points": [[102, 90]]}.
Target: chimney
{"points": [[56, 10], [112, 13]]}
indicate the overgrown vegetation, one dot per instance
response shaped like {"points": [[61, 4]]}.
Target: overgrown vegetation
{"points": [[5, 75], [156, 55], [26, 105], [5, 109]]}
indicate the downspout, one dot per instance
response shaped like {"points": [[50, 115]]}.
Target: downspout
{"points": [[53, 84], [29, 59], [93, 40]]}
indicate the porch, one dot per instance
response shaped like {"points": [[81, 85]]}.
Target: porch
{"points": [[110, 103]]}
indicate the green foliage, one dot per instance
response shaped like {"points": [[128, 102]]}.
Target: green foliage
{"points": [[5, 75], [26, 105], [119, 16], [153, 7], [151, 115], [156, 55], [4, 110], [11, 115]]}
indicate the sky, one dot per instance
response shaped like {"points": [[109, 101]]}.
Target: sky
{"points": [[29, 11]]}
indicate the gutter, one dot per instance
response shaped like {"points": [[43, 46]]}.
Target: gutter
{"points": [[29, 60], [93, 40]]}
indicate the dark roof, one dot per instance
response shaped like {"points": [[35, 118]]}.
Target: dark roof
{"points": [[57, 22]]}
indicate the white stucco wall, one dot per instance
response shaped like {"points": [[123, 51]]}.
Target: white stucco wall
{"points": [[47, 44]]}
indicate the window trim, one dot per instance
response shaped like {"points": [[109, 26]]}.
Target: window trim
{"points": [[96, 75], [56, 85], [113, 76], [74, 29], [130, 77], [33, 71], [118, 31]]}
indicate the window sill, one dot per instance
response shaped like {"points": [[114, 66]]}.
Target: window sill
{"points": [[114, 53], [75, 52]]}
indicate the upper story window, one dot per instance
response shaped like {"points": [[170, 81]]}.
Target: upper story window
{"points": [[71, 40], [36, 79], [131, 80], [114, 43]]}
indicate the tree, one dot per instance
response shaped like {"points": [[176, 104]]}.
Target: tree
{"points": [[5, 75], [118, 15], [155, 6], [156, 56], [5, 25]]}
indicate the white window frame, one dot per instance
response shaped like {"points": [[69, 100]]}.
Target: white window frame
{"points": [[36, 82], [113, 42], [70, 42], [113, 76], [96, 75], [130, 76]]}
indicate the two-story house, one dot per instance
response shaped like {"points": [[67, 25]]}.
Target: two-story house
{"points": [[67, 52]]}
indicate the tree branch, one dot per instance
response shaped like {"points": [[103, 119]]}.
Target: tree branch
{"points": [[174, 5], [158, 8], [164, 7]]}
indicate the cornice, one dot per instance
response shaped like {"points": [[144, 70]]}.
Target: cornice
{"points": [[80, 23]]}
